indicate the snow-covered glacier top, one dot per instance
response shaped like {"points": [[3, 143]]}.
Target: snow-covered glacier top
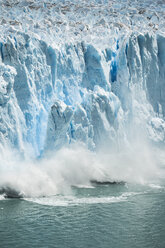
{"points": [[92, 20]]}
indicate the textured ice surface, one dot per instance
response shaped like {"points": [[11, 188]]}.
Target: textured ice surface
{"points": [[81, 19], [87, 71]]}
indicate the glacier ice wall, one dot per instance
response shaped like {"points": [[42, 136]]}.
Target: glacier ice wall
{"points": [[26, 91], [95, 93], [119, 91], [81, 71]]}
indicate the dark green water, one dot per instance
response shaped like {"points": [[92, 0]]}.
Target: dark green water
{"points": [[117, 216]]}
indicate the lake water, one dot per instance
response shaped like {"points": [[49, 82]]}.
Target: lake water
{"points": [[102, 216]]}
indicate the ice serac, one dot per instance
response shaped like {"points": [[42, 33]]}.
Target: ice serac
{"points": [[26, 90], [10, 124], [58, 125], [94, 93]]}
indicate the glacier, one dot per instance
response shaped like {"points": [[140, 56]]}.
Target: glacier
{"points": [[66, 79]]}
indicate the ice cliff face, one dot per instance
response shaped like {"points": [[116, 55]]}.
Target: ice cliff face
{"points": [[26, 90], [118, 89], [98, 93]]}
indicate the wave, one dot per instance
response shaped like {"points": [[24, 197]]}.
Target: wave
{"points": [[65, 201], [2, 197]]}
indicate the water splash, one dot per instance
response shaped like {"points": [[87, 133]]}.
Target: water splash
{"points": [[76, 166]]}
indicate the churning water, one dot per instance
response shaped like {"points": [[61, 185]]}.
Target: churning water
{"points": [[86, 215], [118, 215]]}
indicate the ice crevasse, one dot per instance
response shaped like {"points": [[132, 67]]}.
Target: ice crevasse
{"points": [[94, 93]]}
